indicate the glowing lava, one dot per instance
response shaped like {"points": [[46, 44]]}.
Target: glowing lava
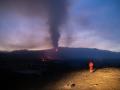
{"points": [[56, 49]]}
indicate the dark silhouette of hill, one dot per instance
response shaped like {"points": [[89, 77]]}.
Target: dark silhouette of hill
{"points": [[74, 57], [77, 53], [64, 53]]}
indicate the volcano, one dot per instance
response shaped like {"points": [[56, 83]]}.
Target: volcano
{"points": [[43, 68], [73, 56], [64, 53]]}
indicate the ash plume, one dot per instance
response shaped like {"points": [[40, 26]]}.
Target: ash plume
{"points": [[28, 15], [57, 12]]}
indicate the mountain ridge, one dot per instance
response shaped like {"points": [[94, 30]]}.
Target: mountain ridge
{"points": [[69, 53]]}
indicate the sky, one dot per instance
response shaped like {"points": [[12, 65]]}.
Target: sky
{"points": [[24, 24]]}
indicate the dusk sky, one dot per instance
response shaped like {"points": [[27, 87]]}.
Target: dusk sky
{"points": [[24, 24]]}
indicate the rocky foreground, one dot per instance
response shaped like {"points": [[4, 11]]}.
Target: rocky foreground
{"points": [[101, 79]]}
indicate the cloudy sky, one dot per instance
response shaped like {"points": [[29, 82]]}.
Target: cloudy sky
{"points": [[24, 24]]}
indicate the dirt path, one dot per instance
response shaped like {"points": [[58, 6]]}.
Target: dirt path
{"points": [[102, 79]]}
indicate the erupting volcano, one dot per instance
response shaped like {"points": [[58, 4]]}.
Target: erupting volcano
{"points": [[57, 12]]}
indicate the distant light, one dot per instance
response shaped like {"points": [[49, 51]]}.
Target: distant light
{"points": [[56, 49], [43, 59]]}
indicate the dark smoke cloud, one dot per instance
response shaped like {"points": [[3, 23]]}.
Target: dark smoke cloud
{"points": [[57, 13], [54, 10]]}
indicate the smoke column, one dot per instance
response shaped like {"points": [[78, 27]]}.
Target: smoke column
{"points": [[57, 13], [53, 10]]}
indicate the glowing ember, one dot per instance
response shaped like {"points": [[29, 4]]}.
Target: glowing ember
{"points": [[56, 49], [51, 54], [43, 59]]}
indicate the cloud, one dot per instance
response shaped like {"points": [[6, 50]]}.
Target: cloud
{"points": [[92, 25], [89, 23]]}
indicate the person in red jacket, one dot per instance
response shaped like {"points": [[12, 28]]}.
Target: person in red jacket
{"points": [[91, 66]]}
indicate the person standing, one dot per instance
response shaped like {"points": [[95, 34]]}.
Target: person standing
{"points": [[91, 66]]}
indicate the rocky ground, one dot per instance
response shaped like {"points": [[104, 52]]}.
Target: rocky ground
{"points": [[101, 79]]}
